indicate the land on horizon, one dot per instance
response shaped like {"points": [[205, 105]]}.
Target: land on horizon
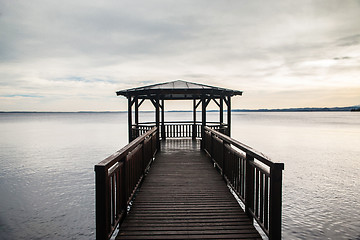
{"points": [[304, 109]]}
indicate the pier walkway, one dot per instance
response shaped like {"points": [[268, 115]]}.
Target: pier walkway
{"points": [[184, 197]]}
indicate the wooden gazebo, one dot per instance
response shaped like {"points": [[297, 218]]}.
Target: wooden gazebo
{"points": [[178, 90]]}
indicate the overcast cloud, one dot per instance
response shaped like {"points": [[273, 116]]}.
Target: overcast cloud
{"points": [[73, 55]]}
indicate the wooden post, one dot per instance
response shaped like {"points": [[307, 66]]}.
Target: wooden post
{"points": [[163, 135], [102, 203], [157, 120], [203, 121], [229, 116], [221, 114], [249, 186], [275, 201], [221, 110], [130, 119], [194, 122], [136, 111]]}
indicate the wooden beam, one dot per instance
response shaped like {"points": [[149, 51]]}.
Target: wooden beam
{"points": [[194, 120], [163, 135], [203, 119], [136, 110], [130, 119], [133, 101], [229, 116], [141, 102], [221, 110], [153, 101], [157, 119], [217, 103], [196, 106], [208, 101]]}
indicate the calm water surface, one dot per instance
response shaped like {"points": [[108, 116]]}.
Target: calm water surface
{"points": [[47, 177]]}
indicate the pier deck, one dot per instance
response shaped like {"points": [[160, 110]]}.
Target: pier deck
{"points": [[184, 197]]}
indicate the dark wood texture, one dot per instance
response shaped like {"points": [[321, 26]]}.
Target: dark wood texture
{"points": [[254, 178], [184, 197], [116, 179]]}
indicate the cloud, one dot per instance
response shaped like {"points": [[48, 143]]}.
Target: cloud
{"points": [[91, 49], [21, 95]]}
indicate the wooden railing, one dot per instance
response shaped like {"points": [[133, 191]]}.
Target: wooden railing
{"points": [[117, 178], [140, 129], [254, 178], [183, 129]]}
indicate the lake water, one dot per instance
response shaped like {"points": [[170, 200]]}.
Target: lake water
{"points": [[47, 176]]}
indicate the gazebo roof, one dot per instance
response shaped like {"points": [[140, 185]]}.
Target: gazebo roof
{"points": [[178, 89]]}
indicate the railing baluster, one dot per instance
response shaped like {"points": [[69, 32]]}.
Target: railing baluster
{"points": [[249, 187], [256, 192], [261, 197], [113, 199], [118, 206], [266, 205], [237, 173]]}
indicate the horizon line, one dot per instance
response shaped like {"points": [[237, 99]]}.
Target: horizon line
{"points": [[300, 109]]}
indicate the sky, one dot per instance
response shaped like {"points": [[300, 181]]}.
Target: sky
{"points": [[73, 55]]}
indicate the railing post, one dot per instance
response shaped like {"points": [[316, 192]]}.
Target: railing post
{"points": [[163, 135], [249, 186], [130, 119], [275, 201], [212, 145], [194, 130], [102, 204]]}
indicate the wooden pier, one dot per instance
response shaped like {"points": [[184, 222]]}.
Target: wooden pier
{"points": [[184, 180], [185, 197]]}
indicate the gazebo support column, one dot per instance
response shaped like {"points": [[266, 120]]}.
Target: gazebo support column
{"points": [[157, 118], [163, 134], [203, 119], [229, 115], [194, 120], [221, 111], [136, 111], [130, 118]]}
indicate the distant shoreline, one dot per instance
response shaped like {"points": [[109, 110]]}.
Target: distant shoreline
{"points": [[307, 109]]}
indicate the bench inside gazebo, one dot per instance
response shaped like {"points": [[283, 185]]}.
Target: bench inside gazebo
{"points": [[186, 179]]}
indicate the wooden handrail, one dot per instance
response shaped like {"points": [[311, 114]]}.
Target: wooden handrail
{"points": [[109, 161], [248, 150], [255, 179], [116, 179]]}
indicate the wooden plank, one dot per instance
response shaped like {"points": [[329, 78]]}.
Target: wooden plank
{"points": [[184, 197]]}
